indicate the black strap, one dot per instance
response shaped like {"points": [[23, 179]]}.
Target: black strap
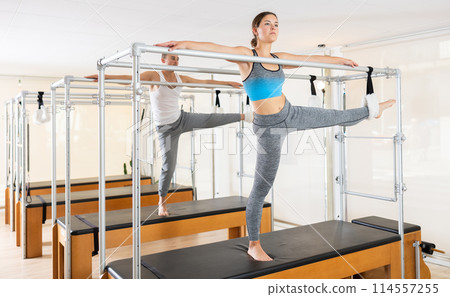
{"points": [[313, 89], [28, 199], [143, 113], [369, 89], [95, 251], [153, 270], [217, 98], [248, 100], [44, 208], [40, 101], [275, 56]]}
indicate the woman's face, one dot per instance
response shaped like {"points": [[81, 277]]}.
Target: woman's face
{"points": [[267, 31]]}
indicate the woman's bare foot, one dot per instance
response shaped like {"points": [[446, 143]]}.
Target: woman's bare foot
{"points": [[384, 105], [162, 209], [256, 252]]}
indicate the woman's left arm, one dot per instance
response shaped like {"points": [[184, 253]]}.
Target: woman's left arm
{"points": [[316, 58]]}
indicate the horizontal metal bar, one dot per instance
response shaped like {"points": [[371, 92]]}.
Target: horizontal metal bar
{"points": [[159, 83], [117, 56], [245, 175], [389, 73], [184, 167], [95, 87], [58, 84], [84, 95], [370, 196], [436, 260], [202, 70], [368, 137], [244, 58]]}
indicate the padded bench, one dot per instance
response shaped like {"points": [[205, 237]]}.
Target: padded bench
{"points": [[185, 218], [78, 184], [411, 233], [86, 202], [341, 250]]}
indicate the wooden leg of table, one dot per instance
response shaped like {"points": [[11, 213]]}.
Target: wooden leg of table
{"points": [[266, 222], [82, 247], [55, 255], [18, 222], [236, 232], [34, 232], [396, 263], [60, 260]]}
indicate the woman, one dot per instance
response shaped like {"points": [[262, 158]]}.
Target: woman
{"points": [[263, 83]]}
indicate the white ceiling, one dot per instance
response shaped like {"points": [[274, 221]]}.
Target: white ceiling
{"points": [[67, 37]]}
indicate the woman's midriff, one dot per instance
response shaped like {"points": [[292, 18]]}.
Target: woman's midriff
{"points": [[270, 105]]}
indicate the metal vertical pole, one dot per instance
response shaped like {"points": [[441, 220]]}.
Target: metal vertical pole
{"points": [[16, 150], [137, 92], [23, 174], [101, 176], [53, 98], [67, 206], [11, 160], [23, 119], [400, 188], [417, 254], [194, 186], [213, 157], [341, 177], [344, 156], [240, 136], [7, 142], [153, 146]]}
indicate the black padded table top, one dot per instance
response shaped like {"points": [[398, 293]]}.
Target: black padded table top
{"points": [[118, 219], [82, 181], [92, 195], [289, 248], [385, 224]]}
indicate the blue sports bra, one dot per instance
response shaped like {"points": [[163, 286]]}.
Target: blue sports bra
{"points": [[263, 83]]}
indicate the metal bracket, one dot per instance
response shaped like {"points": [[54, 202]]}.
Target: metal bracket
{"points": [[339, 136], [398, 187], [399, 138]]}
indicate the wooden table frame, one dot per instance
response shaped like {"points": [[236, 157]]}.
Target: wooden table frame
{"points": [[387, 255], [410, 261], [82, 245], [73, 188], [34, 215]]}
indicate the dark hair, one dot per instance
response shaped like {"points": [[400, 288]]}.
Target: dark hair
{"points": [[163, 56], [256, 21]]}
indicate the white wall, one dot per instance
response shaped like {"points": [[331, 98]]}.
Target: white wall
{"points": [[425, 66]]}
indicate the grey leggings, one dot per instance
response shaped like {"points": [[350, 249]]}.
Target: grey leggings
{"points": [[170, 134], [271, 130]]}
